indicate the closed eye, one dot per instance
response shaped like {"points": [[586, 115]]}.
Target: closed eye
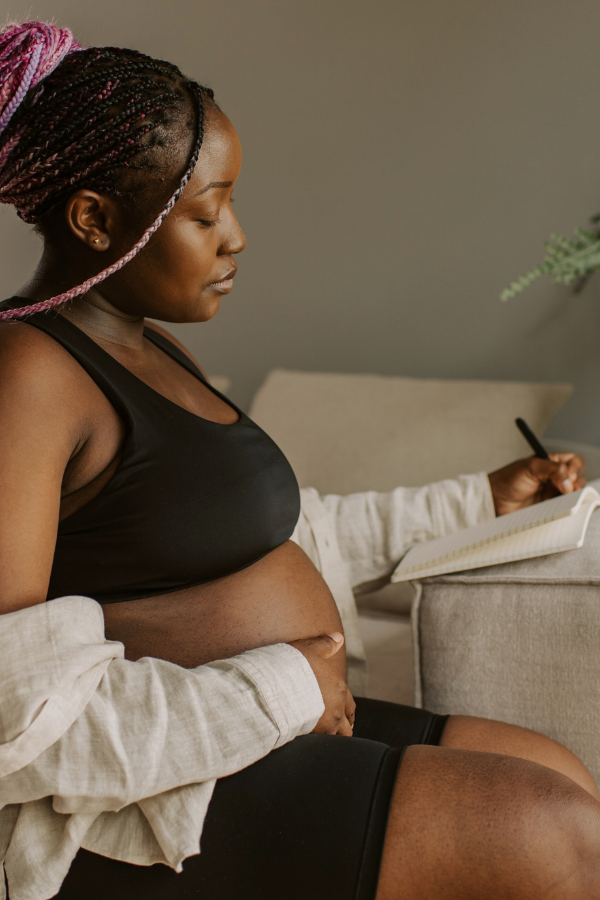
{"points": [[210, 223]]}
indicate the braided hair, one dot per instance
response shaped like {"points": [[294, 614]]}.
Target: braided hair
{"points": [[99, 118]]}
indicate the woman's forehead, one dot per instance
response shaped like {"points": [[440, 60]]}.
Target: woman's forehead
{"points": [[220, 157]]}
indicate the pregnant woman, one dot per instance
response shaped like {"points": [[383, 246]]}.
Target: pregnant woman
{"points": [[126, 478]]}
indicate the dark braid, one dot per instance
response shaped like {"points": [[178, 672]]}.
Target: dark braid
{"points": [[102, 115]]}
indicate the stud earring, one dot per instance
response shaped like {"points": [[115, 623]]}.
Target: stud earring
{"points": [[96, 240]]}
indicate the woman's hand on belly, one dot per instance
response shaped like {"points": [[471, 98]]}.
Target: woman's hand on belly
{"points": [[282, 598], [338, 717]]}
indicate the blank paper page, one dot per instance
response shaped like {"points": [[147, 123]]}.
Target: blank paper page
{"points": [[442, 550], [567, 533]]}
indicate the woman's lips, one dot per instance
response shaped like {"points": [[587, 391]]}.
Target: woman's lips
{"points": [[222, 287]]}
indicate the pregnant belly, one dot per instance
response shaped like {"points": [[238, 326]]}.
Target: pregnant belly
{"points": [[280, 598]]}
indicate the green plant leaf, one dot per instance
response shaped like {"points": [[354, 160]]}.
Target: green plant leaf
{"points": [[566, 259]]}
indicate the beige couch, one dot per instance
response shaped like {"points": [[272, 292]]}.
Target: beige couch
{"points": [[345, 433], [519, 649]]}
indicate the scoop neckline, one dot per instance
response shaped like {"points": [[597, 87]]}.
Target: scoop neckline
{"points": [[136, 378], [206, 383]]}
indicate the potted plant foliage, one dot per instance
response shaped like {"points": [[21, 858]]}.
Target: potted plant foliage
{"points": [[566, 260]]}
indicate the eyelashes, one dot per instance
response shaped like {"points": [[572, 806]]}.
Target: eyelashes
{"points": [[208, 223]]}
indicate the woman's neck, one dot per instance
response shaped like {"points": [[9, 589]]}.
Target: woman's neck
{"points": [[101, 320], [93, 312]]}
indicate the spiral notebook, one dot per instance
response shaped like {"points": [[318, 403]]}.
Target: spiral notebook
{"points": [[549, 527]]}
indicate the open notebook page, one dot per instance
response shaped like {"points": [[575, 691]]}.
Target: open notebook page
{"points": [[552, 537], [458, 551]]}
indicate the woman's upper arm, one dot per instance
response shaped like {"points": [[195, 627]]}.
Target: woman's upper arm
{"points": [[37, 439]]}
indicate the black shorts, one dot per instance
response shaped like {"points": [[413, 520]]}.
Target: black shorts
{"points": [[307, 822]]}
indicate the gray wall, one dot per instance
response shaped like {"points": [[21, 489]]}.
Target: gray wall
{"points": [[404, 159]]}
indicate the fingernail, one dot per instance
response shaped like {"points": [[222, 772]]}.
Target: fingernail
{"points": [[567, 483], [337, 637]]}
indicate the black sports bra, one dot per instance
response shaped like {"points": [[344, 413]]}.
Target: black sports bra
{"points": [[191, 500]]}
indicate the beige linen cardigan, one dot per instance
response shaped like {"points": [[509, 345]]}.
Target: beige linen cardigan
{"points": [[122, 757]]}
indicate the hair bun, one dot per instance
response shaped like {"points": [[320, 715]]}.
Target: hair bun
{"points": [[28, 52]]}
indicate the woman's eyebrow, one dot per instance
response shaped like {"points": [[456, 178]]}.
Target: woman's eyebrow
{"points": [[213, 184]]}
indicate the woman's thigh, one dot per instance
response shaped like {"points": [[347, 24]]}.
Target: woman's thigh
{"points": [[306, 822], [309, 820], [467, 825]]}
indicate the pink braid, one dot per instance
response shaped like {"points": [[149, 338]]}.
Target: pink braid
{"points": [[44, 305], [28, 53], [23, 87]]}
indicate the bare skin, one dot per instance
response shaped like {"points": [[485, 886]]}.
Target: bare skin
{"points": [[475, 826], [61, 444]]}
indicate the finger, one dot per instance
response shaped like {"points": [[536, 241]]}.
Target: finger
{"points": [[575, 467], [327, 645], [563, 457], [563, 475], [345, 728], [350, 708], [568, 458], [566, 483], [563, 480], [547, 470], [573, 461], [573, 481], [574, 476]]}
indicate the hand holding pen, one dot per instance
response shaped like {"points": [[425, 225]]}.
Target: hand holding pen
{"points": [[535, 478]]}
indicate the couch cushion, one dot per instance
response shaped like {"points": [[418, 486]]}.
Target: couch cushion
{"points": [[346, 433]]}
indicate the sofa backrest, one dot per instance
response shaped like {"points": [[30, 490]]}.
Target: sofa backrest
{"points": [[346, 433]]}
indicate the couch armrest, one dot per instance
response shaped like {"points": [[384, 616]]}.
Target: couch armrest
{"points": [[519, 643]]}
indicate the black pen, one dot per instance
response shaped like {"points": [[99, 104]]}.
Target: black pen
{"points": [[531, 439]]}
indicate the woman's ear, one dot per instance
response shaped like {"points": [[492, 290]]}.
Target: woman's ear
{"points": [[90, 216]]}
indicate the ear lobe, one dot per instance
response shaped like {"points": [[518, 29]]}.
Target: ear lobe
{"points": [[85, 213]]}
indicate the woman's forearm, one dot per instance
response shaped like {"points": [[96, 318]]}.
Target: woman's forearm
{"points": [[375, 529], [151, 726]]}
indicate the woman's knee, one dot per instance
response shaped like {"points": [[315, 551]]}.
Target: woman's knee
{"points": [[489, 736], [567, 832], [478, 825]]}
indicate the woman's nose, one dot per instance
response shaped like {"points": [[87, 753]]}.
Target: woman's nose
{"points": [[235, 240]]}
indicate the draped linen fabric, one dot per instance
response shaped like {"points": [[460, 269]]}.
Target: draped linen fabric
{"points": [[121, 757]]}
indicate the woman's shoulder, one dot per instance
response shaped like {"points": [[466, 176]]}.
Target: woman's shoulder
{"points": [[38, 372], [31, 355]]}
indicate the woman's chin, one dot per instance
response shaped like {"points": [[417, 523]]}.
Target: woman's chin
{"points": [[208, 307], [201, 310]]}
